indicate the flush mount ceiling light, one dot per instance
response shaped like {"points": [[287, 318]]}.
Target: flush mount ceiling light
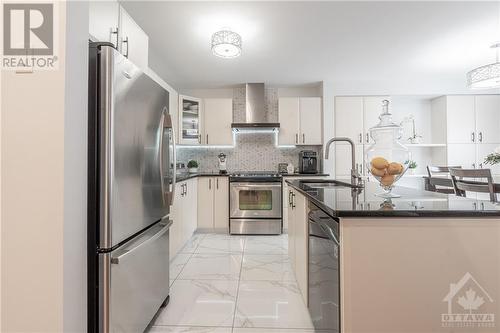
{"points": [[487, 76], [226, 44]]}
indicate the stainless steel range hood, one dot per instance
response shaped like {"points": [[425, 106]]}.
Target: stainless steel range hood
{"points": [[256, 117]]}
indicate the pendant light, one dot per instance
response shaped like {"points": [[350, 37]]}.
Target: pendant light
{"points": [[226, 44], [487, 76]]}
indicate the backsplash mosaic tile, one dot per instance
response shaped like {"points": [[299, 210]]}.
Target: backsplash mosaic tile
{"points": [[252, 151]]}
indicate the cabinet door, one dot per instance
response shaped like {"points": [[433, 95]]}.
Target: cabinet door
{"points": [[190, 120], [301, 244], [218, 115], [463, 155], [221, 203], [349, 118], [103, 21], [310, 121], [460, 119], [134, 41], [291, 228], [372, 108], [488, 118], [205, 203], [176, 228], [192, 207], [288, 113], [483, 150], [343, 159]]}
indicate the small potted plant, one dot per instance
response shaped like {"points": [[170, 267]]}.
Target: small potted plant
{"points": [[412, 165], [494, 157], [192, 166]]}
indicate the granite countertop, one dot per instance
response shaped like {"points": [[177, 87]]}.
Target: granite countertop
{"points": [[344, 201], [185, 176]]}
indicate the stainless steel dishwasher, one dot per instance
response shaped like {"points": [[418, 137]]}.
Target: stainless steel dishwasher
{"points": [[323, 270]]}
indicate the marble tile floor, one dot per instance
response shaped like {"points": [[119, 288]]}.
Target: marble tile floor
{"points": [[233, 284]]}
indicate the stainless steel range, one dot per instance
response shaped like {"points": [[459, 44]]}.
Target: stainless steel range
{"points": [[255, 206]]}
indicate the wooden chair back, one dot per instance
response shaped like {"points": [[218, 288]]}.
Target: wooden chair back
{"points": [[433, 170], [472, 180]]}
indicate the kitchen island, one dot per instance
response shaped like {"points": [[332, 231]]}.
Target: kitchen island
{"points": [[424, 262]]}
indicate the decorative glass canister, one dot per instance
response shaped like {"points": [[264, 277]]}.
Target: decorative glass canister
{"points": [[387, 159]]}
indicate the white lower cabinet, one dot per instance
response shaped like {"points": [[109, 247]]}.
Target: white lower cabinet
{"points": [[298, 239], [213, 204], [184, 214]]}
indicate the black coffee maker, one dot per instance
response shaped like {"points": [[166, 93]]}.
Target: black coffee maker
{"points": [[308, 161]]}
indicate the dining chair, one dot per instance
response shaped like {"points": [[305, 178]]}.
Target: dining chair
{"points": [[475, 184], [433, 171]]}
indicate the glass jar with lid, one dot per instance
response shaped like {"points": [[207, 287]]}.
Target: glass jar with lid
{"points": [[387, 159]]}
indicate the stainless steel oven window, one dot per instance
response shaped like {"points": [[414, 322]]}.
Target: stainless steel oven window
{"points": [[256, 200]]}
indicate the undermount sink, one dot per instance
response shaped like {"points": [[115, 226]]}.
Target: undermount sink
{"points": [[326, 183]]}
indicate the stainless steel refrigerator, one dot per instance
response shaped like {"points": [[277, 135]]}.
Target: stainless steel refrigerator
{"points": [[131, 183]]}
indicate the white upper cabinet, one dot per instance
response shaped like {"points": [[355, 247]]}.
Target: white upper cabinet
{"points": [[218, 115], [300, 121], [349, 118], [103, 21], [109, 22], [461, 121], [355, 115], [310, 121], [134, 42], [288, 111], [190, 120], [487, 109]]}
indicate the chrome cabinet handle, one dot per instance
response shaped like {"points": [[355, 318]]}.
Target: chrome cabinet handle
{"points": [[123, 42], [210, 183], [207, 139], [115, 32], [296, 138], [293, 200], [217, 183], [480, 136], [290, 198], [473, 137], [360, 137], [303, 138], [367, 138]]}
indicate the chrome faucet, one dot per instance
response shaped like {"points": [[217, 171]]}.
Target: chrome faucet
{"points": [[355, 176]]}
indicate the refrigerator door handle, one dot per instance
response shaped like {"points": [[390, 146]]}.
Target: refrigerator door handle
{"points": [[164, 229], [166, 123]]}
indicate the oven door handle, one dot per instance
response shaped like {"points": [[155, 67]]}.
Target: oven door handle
{"points": [[254, 185]]}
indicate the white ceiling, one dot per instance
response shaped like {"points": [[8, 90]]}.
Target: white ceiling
{"points": [[288, 43]]}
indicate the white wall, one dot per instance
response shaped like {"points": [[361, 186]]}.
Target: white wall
{"points": [[43, 138], [75, 169]]}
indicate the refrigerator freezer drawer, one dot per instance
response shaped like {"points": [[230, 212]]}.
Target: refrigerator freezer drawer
{"points": [[139, 280]]}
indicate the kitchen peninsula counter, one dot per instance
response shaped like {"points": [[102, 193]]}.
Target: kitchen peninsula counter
{"points": [[403, 264]]}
